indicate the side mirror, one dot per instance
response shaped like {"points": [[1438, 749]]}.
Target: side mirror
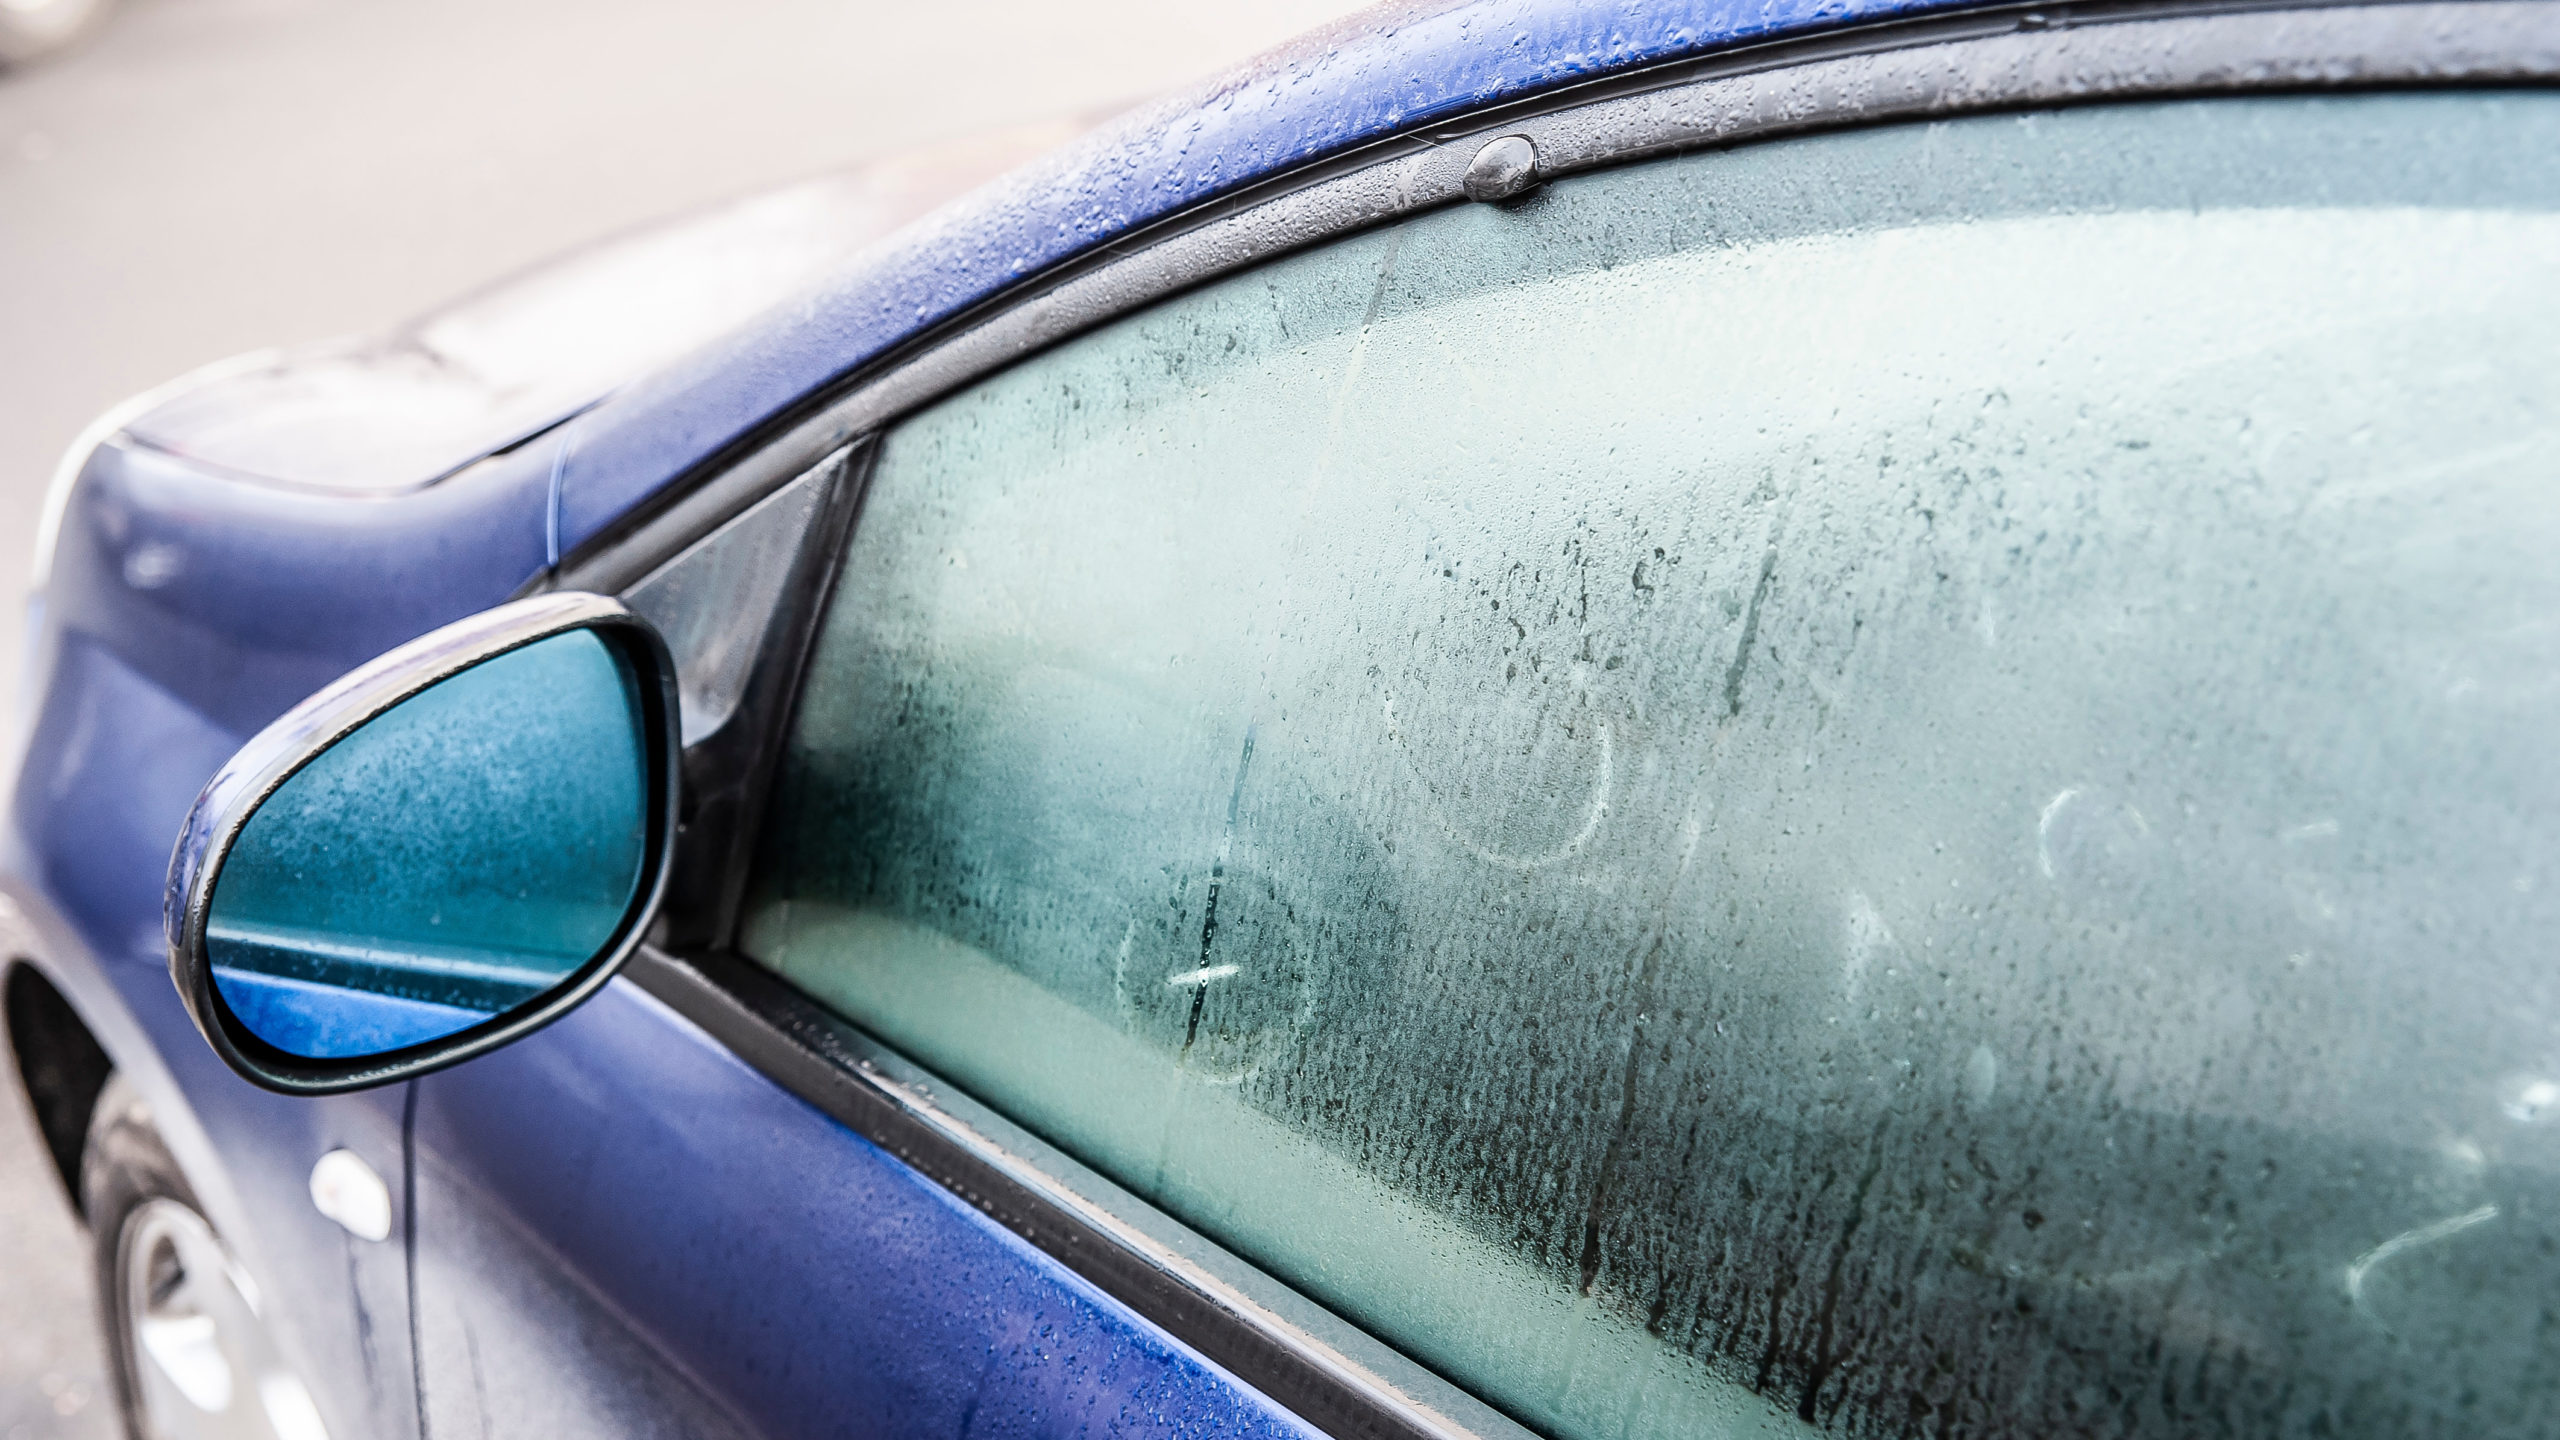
{"points": [[441, 852]]}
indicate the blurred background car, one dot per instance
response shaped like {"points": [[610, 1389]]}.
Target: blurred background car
{"points": [[32, 30]]}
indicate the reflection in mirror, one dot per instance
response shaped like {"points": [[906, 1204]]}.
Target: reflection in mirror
{"points": [[454, 858]]}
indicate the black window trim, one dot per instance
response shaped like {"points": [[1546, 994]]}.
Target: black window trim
{"points": [[1313, 1363], [2007, 58]]}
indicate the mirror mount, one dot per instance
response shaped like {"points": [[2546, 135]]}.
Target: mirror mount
{"points": [[212, 837]]}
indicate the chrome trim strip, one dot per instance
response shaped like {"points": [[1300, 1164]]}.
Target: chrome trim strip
{"points": [[300, 735]]}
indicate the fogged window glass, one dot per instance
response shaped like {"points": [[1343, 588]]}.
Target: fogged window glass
{"points": [[1906, 782]]}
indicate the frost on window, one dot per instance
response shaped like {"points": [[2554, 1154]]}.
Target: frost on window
{"points": [[1902, 782]]}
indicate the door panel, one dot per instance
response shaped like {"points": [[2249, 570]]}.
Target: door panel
{"points": [[622, 1229], [517, 1345]]}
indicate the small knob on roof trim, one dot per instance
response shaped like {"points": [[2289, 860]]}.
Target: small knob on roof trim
{"points": [[1502, 169]]}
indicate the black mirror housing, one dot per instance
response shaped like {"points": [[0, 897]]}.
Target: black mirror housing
{"points": [[443, 851]]}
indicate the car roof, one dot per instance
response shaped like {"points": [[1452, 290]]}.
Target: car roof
{"points": [[1366, 78]]}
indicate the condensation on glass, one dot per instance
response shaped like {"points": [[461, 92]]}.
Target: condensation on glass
{"points": [[1902, 782], [453, 859]]}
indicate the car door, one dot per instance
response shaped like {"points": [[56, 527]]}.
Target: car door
{"points": [[1886, 782]]}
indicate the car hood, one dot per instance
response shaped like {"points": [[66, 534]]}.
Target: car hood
{"points": [[391, 412]]}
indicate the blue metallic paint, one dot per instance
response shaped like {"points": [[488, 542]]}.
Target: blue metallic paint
{"points": [[854, 1258], [240, 598], [841, 1290]]}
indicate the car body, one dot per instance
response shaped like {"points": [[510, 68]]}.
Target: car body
{"points": [[745, 1191]]}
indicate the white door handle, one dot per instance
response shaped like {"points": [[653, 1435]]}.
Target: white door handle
{"points": [[351, 1192]]}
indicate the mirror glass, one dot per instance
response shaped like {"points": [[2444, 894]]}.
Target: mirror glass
{"points": [[453, 859]]}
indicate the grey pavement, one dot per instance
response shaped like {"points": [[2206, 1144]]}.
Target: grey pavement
{"points": [[212, 176]]}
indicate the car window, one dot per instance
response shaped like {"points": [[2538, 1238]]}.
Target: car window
{"points": [[1900, 781]]}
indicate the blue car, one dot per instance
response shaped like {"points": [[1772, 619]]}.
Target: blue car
{"points": [[1547, 719]]}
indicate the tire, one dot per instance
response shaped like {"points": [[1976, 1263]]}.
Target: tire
{"points": [[188, 1353], [34, 29]]}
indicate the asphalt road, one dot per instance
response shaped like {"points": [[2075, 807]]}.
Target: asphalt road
{"points": [[212, 176]]}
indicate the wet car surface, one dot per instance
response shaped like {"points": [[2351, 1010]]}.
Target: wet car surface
{"points": [[1600, 733]]}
